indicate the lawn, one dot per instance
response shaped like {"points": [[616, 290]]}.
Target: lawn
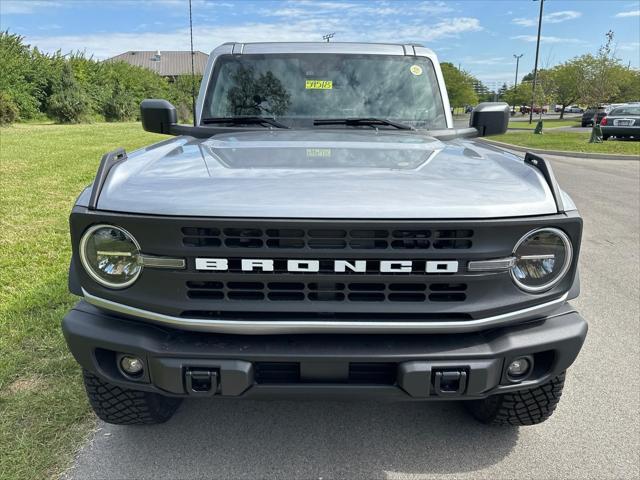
{"points": [[44, 415], [551, 123], [568, 142]]}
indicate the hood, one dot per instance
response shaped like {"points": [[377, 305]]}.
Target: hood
{"points": [[326, 174]]}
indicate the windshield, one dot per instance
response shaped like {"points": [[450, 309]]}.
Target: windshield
{"points": [[300, 88]]}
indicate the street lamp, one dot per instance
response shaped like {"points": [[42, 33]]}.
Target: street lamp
{"points": [[517, 57], [535, 68]]}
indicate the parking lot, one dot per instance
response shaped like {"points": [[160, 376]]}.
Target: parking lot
{"points": [[594, 433]]}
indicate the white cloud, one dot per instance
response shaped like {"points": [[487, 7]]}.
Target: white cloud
{"points": [[15, 7], [629, 47], [484, 61], [375, 29], [545, 39], [631, 13], [555, 17]]}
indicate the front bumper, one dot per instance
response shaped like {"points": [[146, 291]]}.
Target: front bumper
{"points": [[393, 366]]}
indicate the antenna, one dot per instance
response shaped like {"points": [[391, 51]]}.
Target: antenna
{"points": [[193, 73], [326, 37]]}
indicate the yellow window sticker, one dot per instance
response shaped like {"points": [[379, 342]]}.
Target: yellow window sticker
{"points": [[416, 69], [318, 84], [318, 152]]}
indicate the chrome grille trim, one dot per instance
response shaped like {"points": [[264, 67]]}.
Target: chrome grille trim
{"points": [[270, 327]]}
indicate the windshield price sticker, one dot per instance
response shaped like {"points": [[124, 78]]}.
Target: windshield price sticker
{"points": [[318, 84]]}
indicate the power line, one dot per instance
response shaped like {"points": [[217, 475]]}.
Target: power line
{"points": [[328, 36]]}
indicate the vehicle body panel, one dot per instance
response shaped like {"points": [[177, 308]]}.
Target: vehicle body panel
{"points": [[322, 173]]}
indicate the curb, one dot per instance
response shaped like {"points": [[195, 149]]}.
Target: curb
{"points": [[596, 156]]}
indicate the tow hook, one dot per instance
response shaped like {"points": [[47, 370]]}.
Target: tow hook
{"points": [[449, 383], [201, 382]]}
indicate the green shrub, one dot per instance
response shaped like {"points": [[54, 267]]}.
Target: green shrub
{"points": [[69, 103], [120, 106], [8, 110]]}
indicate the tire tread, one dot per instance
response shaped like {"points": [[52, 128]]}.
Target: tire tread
{"points": [[526, 407], [124, 406]]}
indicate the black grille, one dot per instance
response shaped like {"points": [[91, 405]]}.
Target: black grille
{"points": [[328, 239], [328, 291]]}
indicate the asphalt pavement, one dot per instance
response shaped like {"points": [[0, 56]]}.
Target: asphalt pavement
{"points": [[594, 433]]}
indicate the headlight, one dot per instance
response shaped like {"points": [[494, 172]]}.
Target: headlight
{"points": [[543, 257], [111, 256]]}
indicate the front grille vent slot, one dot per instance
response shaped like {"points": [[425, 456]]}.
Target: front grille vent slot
{"points": [[328, 239], [327, 291]]}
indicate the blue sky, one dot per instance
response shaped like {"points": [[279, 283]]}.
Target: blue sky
{"points": [[479, 35]]}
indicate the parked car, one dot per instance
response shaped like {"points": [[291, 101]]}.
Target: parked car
{"points": [[573, 109], [590, 113], [536, 109], [622, 122], [299, 244]]}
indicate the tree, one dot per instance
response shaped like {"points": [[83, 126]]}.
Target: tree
{"points": [[600, 85], [502, 90], [69, 103], [460, 86], [518, 95], [568, 79]]}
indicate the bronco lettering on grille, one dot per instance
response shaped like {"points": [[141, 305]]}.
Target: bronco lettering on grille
{"points": [[339, 266]]}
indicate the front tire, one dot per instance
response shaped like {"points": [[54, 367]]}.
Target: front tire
{"points": [[526, 407], [123, 406]]}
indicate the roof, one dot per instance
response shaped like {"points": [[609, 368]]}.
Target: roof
{"points": [[410, 49], [168, 63]]}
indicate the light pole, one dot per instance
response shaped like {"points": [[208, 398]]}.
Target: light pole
{"points": [[535, 67], [328, 36], [517, 57]]}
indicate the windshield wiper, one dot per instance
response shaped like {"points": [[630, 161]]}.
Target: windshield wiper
{"points": [[245, 121], [362, 121]]}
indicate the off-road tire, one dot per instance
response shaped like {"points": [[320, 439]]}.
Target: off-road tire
{"points": [[526, 407], [123, 406]]}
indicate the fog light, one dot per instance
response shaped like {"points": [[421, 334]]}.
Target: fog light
{"points": [[131, 365], [519, 367]]}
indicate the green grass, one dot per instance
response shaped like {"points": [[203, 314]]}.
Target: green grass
{"points": [[44, 415], [551, 123], [568, 142]]}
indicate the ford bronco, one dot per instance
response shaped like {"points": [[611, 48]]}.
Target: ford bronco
{"points": [[323, 229]]}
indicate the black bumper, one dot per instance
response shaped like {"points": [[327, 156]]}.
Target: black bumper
{"points": [[616, 131], [419, 367]]}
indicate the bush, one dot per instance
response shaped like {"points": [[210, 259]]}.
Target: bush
{"points": [[69, 103], [8, 110], [121, 106]]}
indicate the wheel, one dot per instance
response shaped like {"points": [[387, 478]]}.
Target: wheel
{"points": [[605, 137], [123, 406], [526, 407], [584, 124]]}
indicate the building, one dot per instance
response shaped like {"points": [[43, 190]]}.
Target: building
{"points": [[169, 64]]}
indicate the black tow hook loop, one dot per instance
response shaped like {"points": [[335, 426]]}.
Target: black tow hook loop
{"points": [[450, 382], [201, 382]]}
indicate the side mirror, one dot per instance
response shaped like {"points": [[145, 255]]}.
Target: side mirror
{"points": [[158, 116], [490, 118]]}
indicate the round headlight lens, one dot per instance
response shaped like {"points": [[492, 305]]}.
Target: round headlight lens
{"points": [[543, 257], [111, 256]]}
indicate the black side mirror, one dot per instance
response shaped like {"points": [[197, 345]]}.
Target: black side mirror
{"points": [[158, 116], [490, 118]]}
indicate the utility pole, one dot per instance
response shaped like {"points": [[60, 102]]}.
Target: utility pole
{"points": [[328, 36], [517, 57], [535, 68]]}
